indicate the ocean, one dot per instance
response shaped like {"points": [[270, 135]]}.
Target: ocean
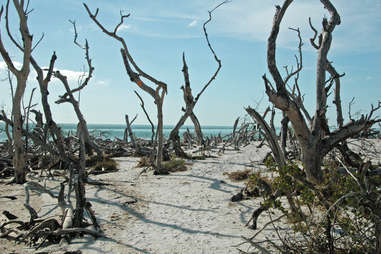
{"points": [[112, 131]]}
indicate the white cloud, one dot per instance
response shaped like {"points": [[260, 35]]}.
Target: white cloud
{"points": [[124, 27], [4, 66], [193, 23], [102, 83], [252, 20], [72, 76]]}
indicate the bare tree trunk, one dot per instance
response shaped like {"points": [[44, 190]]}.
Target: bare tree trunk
{"points": [[197, 128], [160, 142], [136, 74], [314, 137], [19, 152], [79, 184], [312, 160], [69, 97], [284, 131], [175, 138], [129, 131], [191, 102], [21, 76], [270, 136], [52, 127]]}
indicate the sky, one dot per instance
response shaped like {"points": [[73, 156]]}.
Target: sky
{"points": [[158, 32]]}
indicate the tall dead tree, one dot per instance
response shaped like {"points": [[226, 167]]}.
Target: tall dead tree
{"points": [[21, 76], [50, 126], [314, 137], [69, 97], [190, 101], [136, 74]]}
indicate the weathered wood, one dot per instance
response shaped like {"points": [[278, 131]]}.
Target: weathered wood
{"points": [[69, 97], [313, 135], [135, 74], [270, 136], [21, 77], [148, 118], [190, 101], [128, 132]]}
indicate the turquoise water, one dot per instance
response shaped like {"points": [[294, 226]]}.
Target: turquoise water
{"points": [[141, 131]]}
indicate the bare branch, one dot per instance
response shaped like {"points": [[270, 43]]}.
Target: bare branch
{"points": [[122, 17], [349, 130], [125, 52], [336, 77], [76, 34], [271, 48], [212, 50], [350, 109], [39, 41], [88, 60], [312, 40], [3, 51], [299, 61], [145, 112], [270, 136]]}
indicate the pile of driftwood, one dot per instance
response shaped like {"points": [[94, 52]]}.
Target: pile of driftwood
{"points": [[38, 231]]}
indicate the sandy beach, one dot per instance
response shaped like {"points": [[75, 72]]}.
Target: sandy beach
{"points": [[184, 212]]}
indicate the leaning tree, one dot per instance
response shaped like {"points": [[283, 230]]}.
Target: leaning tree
{"points": [[190, 101], [313, 134]]}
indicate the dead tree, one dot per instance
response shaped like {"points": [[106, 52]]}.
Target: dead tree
{"points": [[69, 97], [50, 125], [128, 131], [136, 74], [191, 102], [21, 76], [314, 137]]}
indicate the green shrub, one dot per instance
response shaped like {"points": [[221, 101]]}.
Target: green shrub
{"points": [[174, 165]]}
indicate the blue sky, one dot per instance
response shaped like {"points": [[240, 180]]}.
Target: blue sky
{"points": [[157, 32]]}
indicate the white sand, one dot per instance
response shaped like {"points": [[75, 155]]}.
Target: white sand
{"points": [[184, 212]]}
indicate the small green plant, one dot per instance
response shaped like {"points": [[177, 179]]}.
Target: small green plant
{"points": [[174, 165], [348, 201], [106, 165], [239, 175]]}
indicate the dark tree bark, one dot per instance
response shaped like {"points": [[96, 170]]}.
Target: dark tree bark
{"points": [[283, 134], [51, 126]]}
